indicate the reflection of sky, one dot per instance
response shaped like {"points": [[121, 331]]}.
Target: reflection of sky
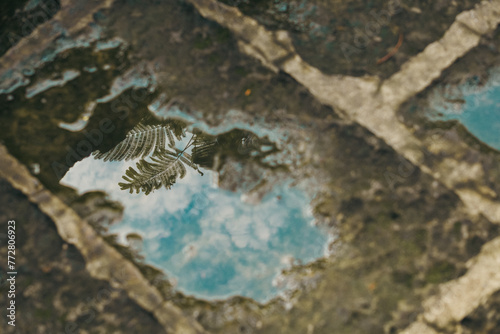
{"points": [[210, 241], [480, 113]]}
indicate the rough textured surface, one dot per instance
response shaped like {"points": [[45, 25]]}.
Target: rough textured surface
{"points": [[56, 294], [101, 260], [359, 97], [413, 204], [348, 37]]}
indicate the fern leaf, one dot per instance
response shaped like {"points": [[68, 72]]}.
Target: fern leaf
{"points": [[162, 171], [141, 141], [171, 141]]}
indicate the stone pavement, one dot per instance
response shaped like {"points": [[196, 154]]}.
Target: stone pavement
{"points": [[374, 104]]}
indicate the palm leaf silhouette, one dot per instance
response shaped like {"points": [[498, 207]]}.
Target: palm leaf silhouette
{"points": [[142, 140]]}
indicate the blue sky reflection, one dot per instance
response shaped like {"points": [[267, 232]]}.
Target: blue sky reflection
{"points": [[207, 239], [476, 107]]}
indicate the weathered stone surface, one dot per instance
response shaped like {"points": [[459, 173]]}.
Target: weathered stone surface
{"points": [[55, 293], [415, 216], [101, 260]]}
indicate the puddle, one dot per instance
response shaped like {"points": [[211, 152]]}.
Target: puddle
{"points": [[476, 107], [209, 241]]}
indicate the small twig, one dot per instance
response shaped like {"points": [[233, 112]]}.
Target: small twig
{"points": [[393, 51]]}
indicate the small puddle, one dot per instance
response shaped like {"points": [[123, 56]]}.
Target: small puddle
{"points": [[476, 107], [209, 241]]}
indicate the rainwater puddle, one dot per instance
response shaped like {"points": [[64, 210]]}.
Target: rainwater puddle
{"points": [[476, 107], [208, 240]]}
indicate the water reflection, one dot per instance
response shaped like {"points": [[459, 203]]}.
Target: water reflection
{"points": [[476, 106], [164, 154], [208, 239]]}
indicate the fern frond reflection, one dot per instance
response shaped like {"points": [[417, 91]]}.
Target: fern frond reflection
{"points": [[162, 163]]}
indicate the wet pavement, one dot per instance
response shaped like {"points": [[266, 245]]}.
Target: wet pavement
{"points": [[308, 217]]}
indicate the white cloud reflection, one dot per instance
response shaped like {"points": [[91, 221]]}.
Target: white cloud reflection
{"points": [[214, 244]]}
